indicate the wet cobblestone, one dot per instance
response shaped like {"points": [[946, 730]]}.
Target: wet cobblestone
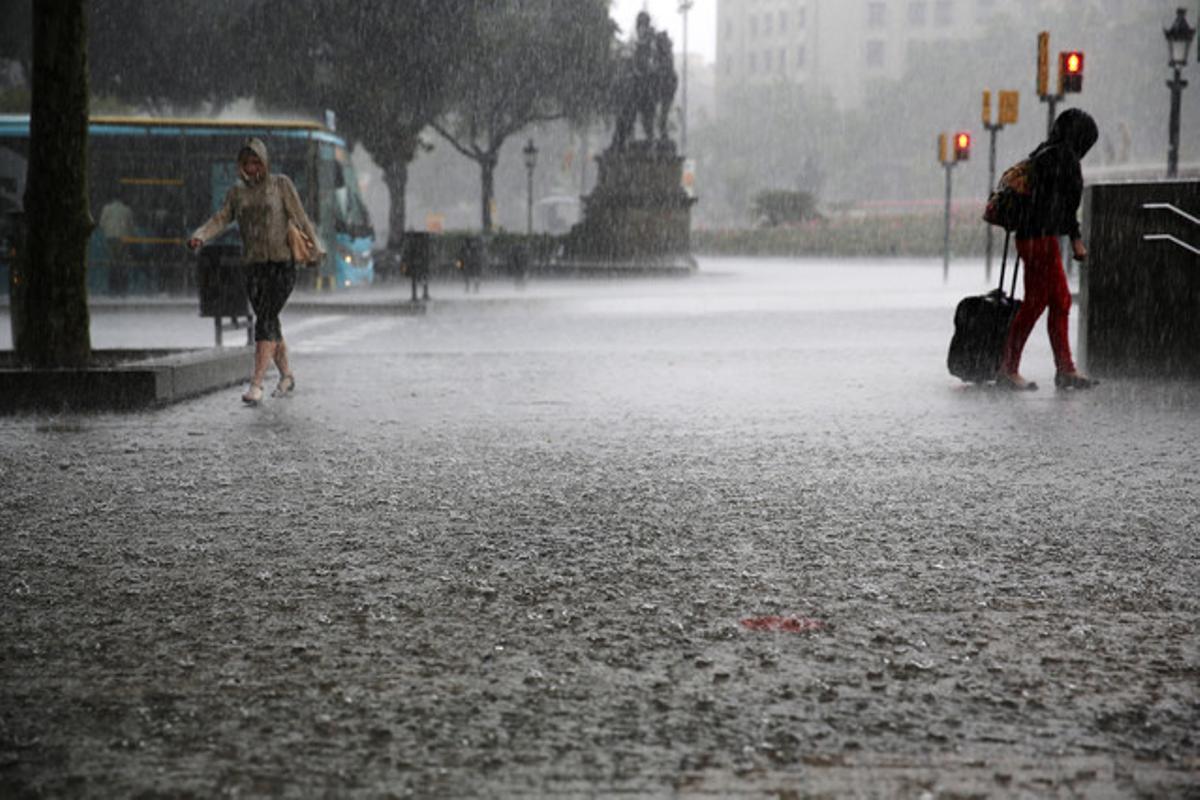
{"points": [[505, 549]]}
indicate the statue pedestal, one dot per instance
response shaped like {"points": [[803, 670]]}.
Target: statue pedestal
{"points": [[638, 215]]}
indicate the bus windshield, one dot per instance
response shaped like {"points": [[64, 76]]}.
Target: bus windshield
{"points": [[351, 211]]}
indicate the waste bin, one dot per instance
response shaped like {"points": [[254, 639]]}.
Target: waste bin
{"points": [[221, 281]]}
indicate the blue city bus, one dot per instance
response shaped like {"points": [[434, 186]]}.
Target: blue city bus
{"points": [[166, 176]]}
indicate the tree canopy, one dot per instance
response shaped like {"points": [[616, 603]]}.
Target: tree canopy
{"points": [[525, 62]]}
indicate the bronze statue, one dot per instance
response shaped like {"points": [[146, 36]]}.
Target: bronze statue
{"points": [[664, 82], [644, 86]]}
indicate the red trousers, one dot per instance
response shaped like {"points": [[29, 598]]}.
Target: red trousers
{"points": [[1045, 286]]}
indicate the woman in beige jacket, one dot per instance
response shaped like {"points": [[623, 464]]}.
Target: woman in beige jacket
{"points": [[263, 204]]}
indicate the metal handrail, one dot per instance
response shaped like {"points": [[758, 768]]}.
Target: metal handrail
{"points": [[1169, 207], [1166, 237]]}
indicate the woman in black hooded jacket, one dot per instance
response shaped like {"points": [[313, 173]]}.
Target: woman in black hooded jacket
{"points": [[1057, 181]]}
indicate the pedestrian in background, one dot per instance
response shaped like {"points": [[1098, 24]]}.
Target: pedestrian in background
{"points": [[263, 205], [1057, 183], [116, 224], [470, 260]]}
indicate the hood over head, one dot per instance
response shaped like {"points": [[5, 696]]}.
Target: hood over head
{"points": [[259, 148], [1076, 129]]}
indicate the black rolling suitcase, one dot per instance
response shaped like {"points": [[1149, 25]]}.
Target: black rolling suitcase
{"points": [[980, 327]]}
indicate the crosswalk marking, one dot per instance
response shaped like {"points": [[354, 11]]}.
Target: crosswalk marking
{"points": [[291, 328]]}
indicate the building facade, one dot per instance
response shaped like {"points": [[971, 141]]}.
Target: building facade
{"points": [[833, 46]]}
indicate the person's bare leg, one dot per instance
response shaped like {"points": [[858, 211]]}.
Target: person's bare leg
{"points": [[264, 352], [286, 382], [281, 359]]}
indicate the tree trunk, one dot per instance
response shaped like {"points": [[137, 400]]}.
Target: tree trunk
{"points": [[396, 177], [54, 310], [487, 173]]}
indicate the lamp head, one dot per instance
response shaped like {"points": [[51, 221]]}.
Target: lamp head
{"points": [[1179, 39]]}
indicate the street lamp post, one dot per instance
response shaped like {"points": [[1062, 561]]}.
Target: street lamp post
{"points": [[684, 7], [1179, 43], [531, 154]]}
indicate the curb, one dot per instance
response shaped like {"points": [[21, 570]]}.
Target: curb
{"points": [[123, 380]]}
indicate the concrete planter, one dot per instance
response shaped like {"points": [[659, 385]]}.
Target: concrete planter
{"points": [[122, 380]]}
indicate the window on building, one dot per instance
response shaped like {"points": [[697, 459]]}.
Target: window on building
{"points": [[918, 13], [766, 61], [728, 29], [984, 8], [783, 21], [801, 17], [801, 55], [943, 13], [753, 63], [753, 25], [875, 54], [876, 14], [782, 60], [767, 21]]}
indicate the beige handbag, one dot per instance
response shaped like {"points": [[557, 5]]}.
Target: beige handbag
{"points": [[304, 249]]}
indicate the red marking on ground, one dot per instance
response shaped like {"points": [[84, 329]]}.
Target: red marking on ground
{"points": [[783, 624]]}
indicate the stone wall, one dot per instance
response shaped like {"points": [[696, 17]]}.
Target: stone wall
{"points": [[1139, 299]]}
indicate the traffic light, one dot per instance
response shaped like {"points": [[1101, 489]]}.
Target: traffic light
{"points": [[1070, 71], [1043, 64], [962, 146]]}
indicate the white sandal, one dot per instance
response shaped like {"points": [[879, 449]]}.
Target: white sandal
{"points": [[253, 395]]}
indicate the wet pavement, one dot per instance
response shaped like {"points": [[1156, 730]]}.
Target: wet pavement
{"points": [[524, 545]]}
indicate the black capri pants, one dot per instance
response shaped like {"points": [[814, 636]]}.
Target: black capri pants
{"points": [[269, 284]]}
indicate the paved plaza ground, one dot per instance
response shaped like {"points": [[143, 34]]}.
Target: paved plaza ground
{"points": [[518, 546]]}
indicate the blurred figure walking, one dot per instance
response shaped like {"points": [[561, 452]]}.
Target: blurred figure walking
{"points": [[1057, 183], [263, 205], [116, 224], [470, 261]]}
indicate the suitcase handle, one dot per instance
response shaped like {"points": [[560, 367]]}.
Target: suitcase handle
{"points": [[1004, 262]]}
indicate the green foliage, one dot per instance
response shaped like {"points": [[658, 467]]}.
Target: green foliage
{"points": [[16, 34], [781, 206], [901, 235], [185, 53], [768, 135], [525, 62]]}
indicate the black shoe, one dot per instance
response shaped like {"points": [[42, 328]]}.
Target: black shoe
{"points": [[1015, 382], [1073, 380]]}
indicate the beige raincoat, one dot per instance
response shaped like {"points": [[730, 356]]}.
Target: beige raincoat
{"points": [[262, 210]]}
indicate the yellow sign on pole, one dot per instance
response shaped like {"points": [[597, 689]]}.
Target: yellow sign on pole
{"points": [[1010, 104], [1043, 67], [942, 152], [987, 107]]}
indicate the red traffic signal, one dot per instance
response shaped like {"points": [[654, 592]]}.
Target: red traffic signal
{"points": [[1070, 71], [962, 146]]}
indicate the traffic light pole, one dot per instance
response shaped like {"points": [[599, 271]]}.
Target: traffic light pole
{"points": [[1052, 101], [946, 235]]}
